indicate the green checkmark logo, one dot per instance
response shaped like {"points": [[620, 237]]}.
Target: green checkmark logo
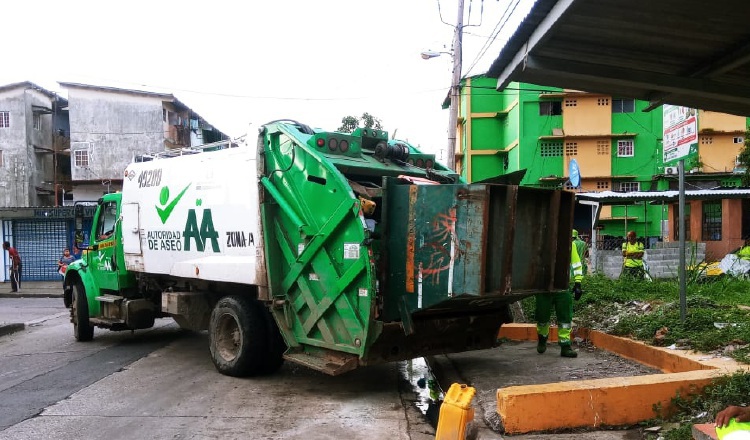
{"points": [[165, 212]]}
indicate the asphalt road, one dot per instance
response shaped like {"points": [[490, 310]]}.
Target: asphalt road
{"points": [[160, 383]]}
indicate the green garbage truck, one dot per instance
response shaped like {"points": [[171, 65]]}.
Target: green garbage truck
{"points": [[332, 250]]}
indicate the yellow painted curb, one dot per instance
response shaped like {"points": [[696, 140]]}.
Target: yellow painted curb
{"points": [[605, 402]]}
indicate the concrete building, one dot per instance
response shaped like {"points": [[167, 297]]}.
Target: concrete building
{"points": [[33, 128], [617, 145], [55, 152], [110, 126]]}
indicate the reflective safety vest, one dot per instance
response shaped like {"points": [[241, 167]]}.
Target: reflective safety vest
{"points": [[575, 265], [633, 248]]}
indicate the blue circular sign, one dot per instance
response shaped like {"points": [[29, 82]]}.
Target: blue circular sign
{"points": [[575, 173]]}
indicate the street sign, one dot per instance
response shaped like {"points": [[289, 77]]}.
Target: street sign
{"points": [[680, 140]]}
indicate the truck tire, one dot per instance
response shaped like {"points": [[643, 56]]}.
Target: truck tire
{"points": [[276, 345], [79, 311], [238, 337]]}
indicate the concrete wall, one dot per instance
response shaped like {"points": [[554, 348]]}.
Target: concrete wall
{"points": [[112, 127], [26, 162], [663, 260]]}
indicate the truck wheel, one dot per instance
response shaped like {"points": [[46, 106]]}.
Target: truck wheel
{"points": [[276, 345], [238, 337], [79, 310]]}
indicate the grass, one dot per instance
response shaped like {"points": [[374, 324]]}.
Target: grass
{"points": [[717, 318]]}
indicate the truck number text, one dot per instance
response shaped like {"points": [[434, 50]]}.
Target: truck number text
{"points": [[149, 178]]}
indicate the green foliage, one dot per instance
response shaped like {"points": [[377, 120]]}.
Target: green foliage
{"points": [[744, 159], [350, 123]]}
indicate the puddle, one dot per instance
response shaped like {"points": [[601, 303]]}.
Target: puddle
{"points": [[428, 394]]}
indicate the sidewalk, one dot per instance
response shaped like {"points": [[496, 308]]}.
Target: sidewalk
{"points": [[33, 289], [29, 289]]}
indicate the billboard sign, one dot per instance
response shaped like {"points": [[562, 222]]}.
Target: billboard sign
{"points": [[680, 140]]}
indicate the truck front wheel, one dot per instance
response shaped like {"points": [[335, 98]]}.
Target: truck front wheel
{"points": [[79, 311], [238, 337]]}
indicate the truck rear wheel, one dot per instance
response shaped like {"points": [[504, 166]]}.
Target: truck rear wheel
{"points": [[79, 310], [238, 337]]}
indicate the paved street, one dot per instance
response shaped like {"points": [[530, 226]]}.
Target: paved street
{"points": [[160, 383]]}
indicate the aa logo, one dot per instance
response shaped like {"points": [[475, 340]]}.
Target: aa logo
{"points": [[200, 234]]}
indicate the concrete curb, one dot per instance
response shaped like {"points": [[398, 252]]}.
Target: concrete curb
{"points": [[31, 295], [605, 402], [6, 329]]}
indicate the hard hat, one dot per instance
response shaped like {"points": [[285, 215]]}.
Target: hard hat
{"points": [[575, 233]]}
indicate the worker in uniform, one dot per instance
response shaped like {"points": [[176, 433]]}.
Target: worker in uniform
{"points": [[563, 305], [583, 252], [632, 251]]}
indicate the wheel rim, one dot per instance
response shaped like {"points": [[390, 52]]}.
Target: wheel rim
{"points": [[229, 340]]}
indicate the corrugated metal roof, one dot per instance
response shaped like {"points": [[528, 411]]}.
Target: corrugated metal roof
{"points": [[688, 52], [621, 198]]}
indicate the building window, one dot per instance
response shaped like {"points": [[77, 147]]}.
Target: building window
{"points": [[625, 148], [551, 149], [602, 184], [602, 101], [602, 148], [711, 221], [1, 158], [738, 140], [623, 105], [4, 119], [81, 158], [550, 108], [571, 148], [37, 120], [707, 140], [571, 102], [164, 115], [630, 186]]}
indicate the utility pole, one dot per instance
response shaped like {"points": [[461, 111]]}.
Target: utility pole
{"points": [[450, 157]]}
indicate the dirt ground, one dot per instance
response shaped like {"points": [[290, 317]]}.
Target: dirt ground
{"points": [[518, 363]]}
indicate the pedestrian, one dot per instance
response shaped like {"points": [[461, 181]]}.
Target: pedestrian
{"points": [[15, 267], [733, 422], [583, 252], [64, 261], [563, 305], [632, 252]]}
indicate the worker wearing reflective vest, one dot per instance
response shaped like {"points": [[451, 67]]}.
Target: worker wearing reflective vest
{"points": [[632, 251], [563, 304]]}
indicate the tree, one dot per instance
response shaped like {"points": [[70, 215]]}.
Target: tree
{"points": [[351, 123], [743, 159]]}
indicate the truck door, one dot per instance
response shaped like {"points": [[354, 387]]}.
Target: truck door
{"points": [[105, 237]]}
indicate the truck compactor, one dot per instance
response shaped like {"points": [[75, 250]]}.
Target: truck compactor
{"points": [[332, 250]]}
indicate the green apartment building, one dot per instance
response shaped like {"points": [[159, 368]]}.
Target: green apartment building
{"points": [[616, 143]]}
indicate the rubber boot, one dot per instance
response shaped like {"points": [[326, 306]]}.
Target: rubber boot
{"points": [[567, 351], [541, 345]]}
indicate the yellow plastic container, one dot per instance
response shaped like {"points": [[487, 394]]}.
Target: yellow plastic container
{"points": [[455, 412]]}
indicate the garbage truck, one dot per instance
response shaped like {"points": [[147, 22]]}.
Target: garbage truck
{"points": [[331, 250]]}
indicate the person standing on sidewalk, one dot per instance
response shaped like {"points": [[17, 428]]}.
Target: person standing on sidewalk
{"points": [[64, 261], [15, 267], [563, 305]]}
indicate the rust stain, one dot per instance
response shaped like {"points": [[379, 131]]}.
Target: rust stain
{"points": [[410, 240]]}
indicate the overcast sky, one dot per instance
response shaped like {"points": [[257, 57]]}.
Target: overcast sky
{"points": [[242, 63]]}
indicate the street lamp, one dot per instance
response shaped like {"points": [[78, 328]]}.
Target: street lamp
{"points": [[456, 53]]}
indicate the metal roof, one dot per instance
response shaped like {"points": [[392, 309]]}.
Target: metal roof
{"points": [[624, 198], [689, 52]]}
